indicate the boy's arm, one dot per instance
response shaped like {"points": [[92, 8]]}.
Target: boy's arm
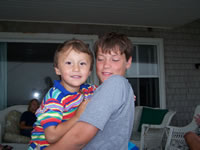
{"points": [[54, 133], [75, 139]]}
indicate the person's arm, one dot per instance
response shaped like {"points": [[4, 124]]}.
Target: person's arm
{"points": [[23, 125], [197, 119], [192, 140], [97, 114], [79, 135], [54, 133]]}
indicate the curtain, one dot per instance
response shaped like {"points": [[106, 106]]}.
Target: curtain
{"points": [[3, 75]]}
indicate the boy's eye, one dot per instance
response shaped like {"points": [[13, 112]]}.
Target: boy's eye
{"points": [[68, 63], [115, 60], [99, 59], [82, 63]]}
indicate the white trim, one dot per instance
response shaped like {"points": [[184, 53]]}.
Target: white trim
{"points": [[86, 23], [161, 72], [3, 75], [42, 37]]}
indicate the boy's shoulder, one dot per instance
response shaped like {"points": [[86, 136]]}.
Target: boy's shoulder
{"points": [[116, 79]]}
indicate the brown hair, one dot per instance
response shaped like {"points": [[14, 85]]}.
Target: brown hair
{"points": [[76, 45], [30, 102], [114, 41]]}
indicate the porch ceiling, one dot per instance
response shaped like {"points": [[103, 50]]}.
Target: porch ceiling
{"points": [[150, 13]]}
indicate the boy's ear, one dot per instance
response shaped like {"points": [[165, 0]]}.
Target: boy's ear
{"points": [[129, 62], [89, 73], [57, 70]]}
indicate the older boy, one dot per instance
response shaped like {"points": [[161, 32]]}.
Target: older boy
{"points": [[108, 118]]}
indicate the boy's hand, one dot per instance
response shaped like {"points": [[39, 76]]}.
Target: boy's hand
{"points": [[81, 108]]}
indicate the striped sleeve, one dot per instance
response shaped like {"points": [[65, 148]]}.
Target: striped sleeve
{"points": [[51, 113], [88, 90]]}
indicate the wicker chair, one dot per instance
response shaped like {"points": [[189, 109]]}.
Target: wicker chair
{"points": [[175, 135], [151, 135]]}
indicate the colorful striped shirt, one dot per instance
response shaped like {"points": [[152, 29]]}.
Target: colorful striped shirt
{"points": [[58, 105]]}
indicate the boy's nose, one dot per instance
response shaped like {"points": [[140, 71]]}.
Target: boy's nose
{"points": [[106, 64], [76, 67]]}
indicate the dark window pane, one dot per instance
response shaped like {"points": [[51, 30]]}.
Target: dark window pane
{"points": [[145, 62], [31, 52], [30, 71], [146, 91]]}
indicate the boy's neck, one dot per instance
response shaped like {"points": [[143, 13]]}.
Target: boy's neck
{"points": [[74, 90], [70, 89]]}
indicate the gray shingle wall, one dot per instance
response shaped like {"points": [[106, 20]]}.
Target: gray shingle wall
{"points": [[181, 52]]}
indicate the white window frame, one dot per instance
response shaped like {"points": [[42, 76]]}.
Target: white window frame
{"points": [[59, 38], [161, 71]]}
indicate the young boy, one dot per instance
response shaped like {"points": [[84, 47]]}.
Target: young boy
{"points": [[107, 121], [58, 112]]}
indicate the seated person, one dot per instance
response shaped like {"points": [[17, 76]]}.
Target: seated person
{"points": [[193, 139], [28, 118]]}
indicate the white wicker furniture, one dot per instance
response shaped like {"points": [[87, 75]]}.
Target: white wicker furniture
{"points": [[175, 135], [150, 136]]}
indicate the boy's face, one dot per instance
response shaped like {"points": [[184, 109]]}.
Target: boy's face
{"points": [[74, 69], [108, 64]]}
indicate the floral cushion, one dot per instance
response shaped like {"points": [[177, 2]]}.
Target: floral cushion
{"points": [[12, 131], [12, 122]]}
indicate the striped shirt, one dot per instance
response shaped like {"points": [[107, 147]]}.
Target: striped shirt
{"points": [[58, 105]]}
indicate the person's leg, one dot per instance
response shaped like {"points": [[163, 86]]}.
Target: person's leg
{"points": [[193, 140]]}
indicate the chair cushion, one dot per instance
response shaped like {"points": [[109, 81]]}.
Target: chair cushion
{"points": [[151, 116], [12, 131], [12, 122]]}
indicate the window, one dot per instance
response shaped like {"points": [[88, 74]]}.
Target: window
{"points": [[27, 65], [146, 74], [30, 71]]}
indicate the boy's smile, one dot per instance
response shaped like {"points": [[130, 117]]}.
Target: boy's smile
{"points": [[74, 68]]}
